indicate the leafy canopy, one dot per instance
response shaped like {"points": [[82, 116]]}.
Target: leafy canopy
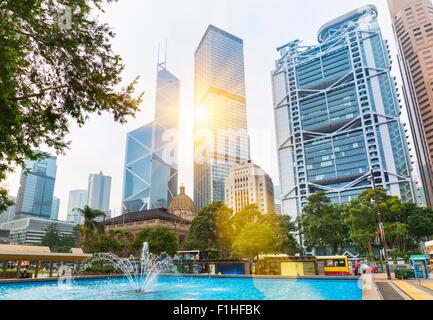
{"points": [[322, 223], [53, 73], [160, 239], [57, 242], [242, 234]]}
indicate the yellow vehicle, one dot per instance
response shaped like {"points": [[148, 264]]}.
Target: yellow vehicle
{"points": [[334, 265]]}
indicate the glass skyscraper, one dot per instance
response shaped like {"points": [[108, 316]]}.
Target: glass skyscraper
{"points": [[337, 115], [99, 194], [55, 209], [413, 29], [35, 194], [150, 178], [220, 137], [77, 200]]}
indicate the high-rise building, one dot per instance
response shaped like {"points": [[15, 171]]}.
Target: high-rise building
{"points": [[9, 213], [277, 200], [413, 29], [55, 209], [77, 200], [31, 230], [249, 184], [150, 176], [422, 201], [337, 115], [220, 137], [35, 194], [99, 194]]}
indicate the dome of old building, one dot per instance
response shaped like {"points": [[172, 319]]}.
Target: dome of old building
{"points": [[183, 206]]}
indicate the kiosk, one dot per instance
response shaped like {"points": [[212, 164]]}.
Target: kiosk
{"points": [[420, 266]]}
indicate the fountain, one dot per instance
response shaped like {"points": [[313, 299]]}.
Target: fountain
{"points": [[140, 273]]}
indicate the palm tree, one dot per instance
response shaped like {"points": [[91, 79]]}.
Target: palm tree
{"points": [[90, 223]]}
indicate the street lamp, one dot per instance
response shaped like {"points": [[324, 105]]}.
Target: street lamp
{"points": [[381, 228]]}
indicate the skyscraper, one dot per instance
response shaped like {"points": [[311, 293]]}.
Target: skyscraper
{"points": [[55, 208], [337, 115], [99, 193], [220, 137], [9, 213], [150, 178], [77, 200], [35, 194], [248, 184], [277, 200], [413, 29]]}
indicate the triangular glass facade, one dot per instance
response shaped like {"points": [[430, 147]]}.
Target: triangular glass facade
{"points": [[150, 177]]}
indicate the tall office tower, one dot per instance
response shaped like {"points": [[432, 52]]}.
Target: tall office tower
{"points": [[99, 194], [413, 29], [249, 184], [337, 115], [277, 200], [55, 208], [150, 178], [77, 200], [220, 137], [9, 213], [35, 194]]}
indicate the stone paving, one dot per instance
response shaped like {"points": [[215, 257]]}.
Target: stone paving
{"points": [[406, 289]]}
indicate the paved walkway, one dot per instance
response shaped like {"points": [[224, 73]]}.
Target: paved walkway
{"points": [[413, 290], [403, 289]]}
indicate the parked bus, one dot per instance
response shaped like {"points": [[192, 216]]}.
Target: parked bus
{"points": [[333, 265]]}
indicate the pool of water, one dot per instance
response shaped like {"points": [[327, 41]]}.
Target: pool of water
{"points": [[186, 288]]}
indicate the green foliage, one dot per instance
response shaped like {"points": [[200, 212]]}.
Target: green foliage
{"points": [[217, 227], [203, 230], [90, 222], [247, 215], [419, 222], [52, 75], [224, 231], [322, 223], [286, 228], [101, 268], [357, 222], [5, 203], [56, 242], [160, 239], [255, 238], [362, 216]]}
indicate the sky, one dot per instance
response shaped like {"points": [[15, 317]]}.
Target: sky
{"points": [[140, 25]]}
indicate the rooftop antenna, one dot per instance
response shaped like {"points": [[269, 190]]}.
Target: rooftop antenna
{"points": [[162, 64]]}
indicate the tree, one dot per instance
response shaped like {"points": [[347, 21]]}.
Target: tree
{"points": [[254, 239], [124, 237], [224, 231], [90, 223], [53, 73], [5, 202], [107, 242], [160, 239], [322, 223], [57, 242], [361, 216], [51, 237], [202, 234], [250, 213], [203, 230], [285, 229], [420, 223]]}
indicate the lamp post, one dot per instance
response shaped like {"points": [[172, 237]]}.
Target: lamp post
{"points": [[383, 255]]}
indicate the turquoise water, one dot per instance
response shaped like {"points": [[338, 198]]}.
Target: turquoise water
{"points": [[186, 288]]}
